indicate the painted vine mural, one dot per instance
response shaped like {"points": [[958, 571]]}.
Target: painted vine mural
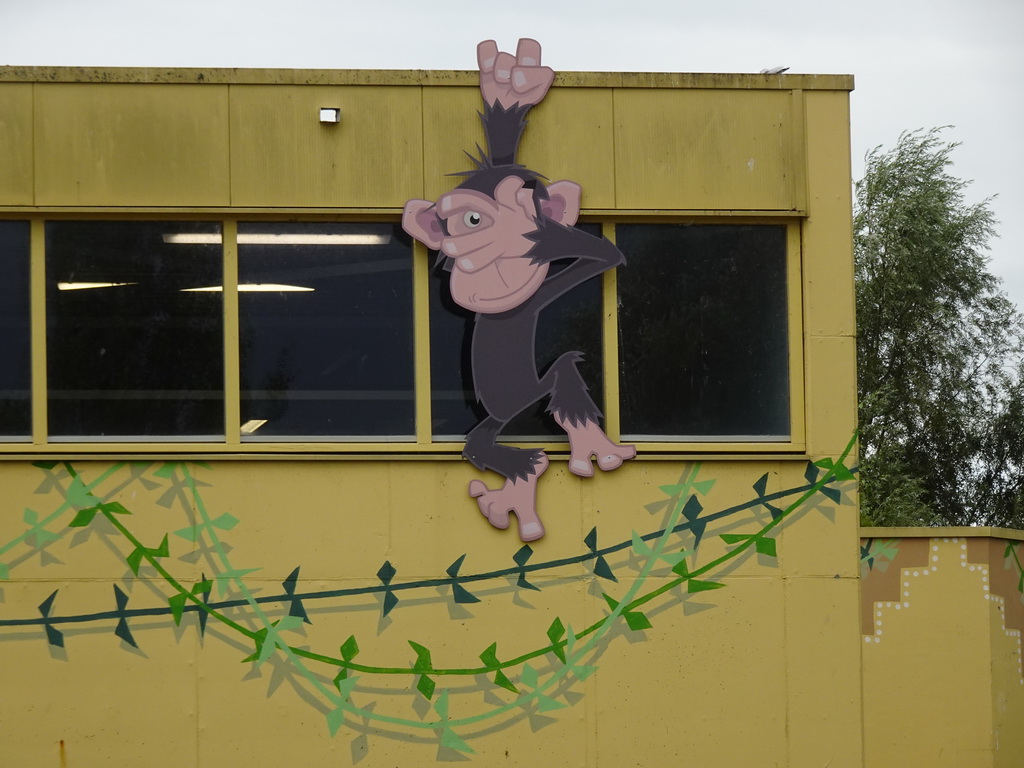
{"points": [[343, 683]]}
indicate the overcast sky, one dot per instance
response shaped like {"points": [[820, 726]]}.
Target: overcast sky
{"points": [[917, 63]]}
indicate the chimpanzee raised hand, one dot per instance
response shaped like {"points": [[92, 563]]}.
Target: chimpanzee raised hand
{"points": [[500, 229]]}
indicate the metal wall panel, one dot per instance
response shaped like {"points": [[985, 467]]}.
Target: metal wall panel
{"points": [[15, 144], [705, 150], [282, 155], [131, 145]]}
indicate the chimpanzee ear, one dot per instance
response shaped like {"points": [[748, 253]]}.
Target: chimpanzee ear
{"points": [[563, 203], [420, 220]]}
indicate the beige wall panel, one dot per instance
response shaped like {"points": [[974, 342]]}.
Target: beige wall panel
{"points": [[827, 236], [700, 687], [698, 149], [131, 145], [282, 155], [830, 396], [823, 674], [15, 144], [569, 137], [928, 669], [816, 539]]}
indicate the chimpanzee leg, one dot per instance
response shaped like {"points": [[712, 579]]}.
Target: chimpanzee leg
{"points": [[484, 453], [576, 413], [521, 468]]}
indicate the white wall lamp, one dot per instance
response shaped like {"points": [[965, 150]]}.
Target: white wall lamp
{"points": [[330, 115]]}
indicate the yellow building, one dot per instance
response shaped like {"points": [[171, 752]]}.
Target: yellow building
{"points": [[233, 397]]}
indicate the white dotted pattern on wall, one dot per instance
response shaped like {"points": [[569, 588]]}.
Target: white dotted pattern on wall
{"points": [[907, 575]]}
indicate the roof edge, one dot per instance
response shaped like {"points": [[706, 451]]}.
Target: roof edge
{"points": [[422, 77]]}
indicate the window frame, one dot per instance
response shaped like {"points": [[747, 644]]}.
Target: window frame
{"points": [[422, 445]]}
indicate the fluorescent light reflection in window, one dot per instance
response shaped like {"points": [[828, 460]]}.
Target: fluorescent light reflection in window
{"points": [[251, 426], [86, 286], [283, 238], [252, 288]]}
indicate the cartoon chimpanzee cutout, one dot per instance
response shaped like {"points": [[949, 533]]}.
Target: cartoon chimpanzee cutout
{"points": [[500, 229]]}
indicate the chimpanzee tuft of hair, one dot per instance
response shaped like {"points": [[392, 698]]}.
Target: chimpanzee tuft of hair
{"points": [[503, 128]]}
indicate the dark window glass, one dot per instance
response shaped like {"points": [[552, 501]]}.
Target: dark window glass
{"points": [[703, 341], [15, 372], [326, 331], [134, 330], [571, 322]]}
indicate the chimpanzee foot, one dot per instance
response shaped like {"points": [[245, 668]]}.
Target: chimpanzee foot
{"points": [[586, 440], [518, 496]]}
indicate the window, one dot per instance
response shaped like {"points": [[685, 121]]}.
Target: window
{"points": [[15, 366], [134, 330], [321, 335], [703, 333], [326, 331]]}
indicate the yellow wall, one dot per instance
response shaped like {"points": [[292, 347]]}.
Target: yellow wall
{"points": [[942, 616], [731, 641]]}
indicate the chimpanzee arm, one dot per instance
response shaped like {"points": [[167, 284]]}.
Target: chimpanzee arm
{"points": [[592, 256], [503, 129]]}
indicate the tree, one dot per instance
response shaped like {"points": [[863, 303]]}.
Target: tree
{"points": [[939, 348]]}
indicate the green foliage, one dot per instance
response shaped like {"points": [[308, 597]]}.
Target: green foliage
{"points": [[938, 347]]}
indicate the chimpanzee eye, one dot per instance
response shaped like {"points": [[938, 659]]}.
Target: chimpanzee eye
{"points": [[472, 219]]}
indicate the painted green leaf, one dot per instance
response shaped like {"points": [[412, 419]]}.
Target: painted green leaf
{"points": [[426, 686], [636, 620], [693, 585], [501, 679], [5, 572], [177, 603], [30, 517], [78, 495], [116, 507], [191, 533], [83, 517], [734, 538], [422, 658], [225, 522], [529, 676], [335, 719], [441, 705], [681, 568], [462, 596], [765, 547], [704, 487], [350, 648], [490, 656], [555, 632], [202, 586], [288, 624], [640, 546], [163, 550], [613, 604], [450, 740], [674, 558], [546, 704], [583, 671], [134, 560]]}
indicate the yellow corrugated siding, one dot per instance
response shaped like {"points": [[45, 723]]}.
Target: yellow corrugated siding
{"points": [[282, 155], [16, 144], [704, 149], [131, 145]]}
